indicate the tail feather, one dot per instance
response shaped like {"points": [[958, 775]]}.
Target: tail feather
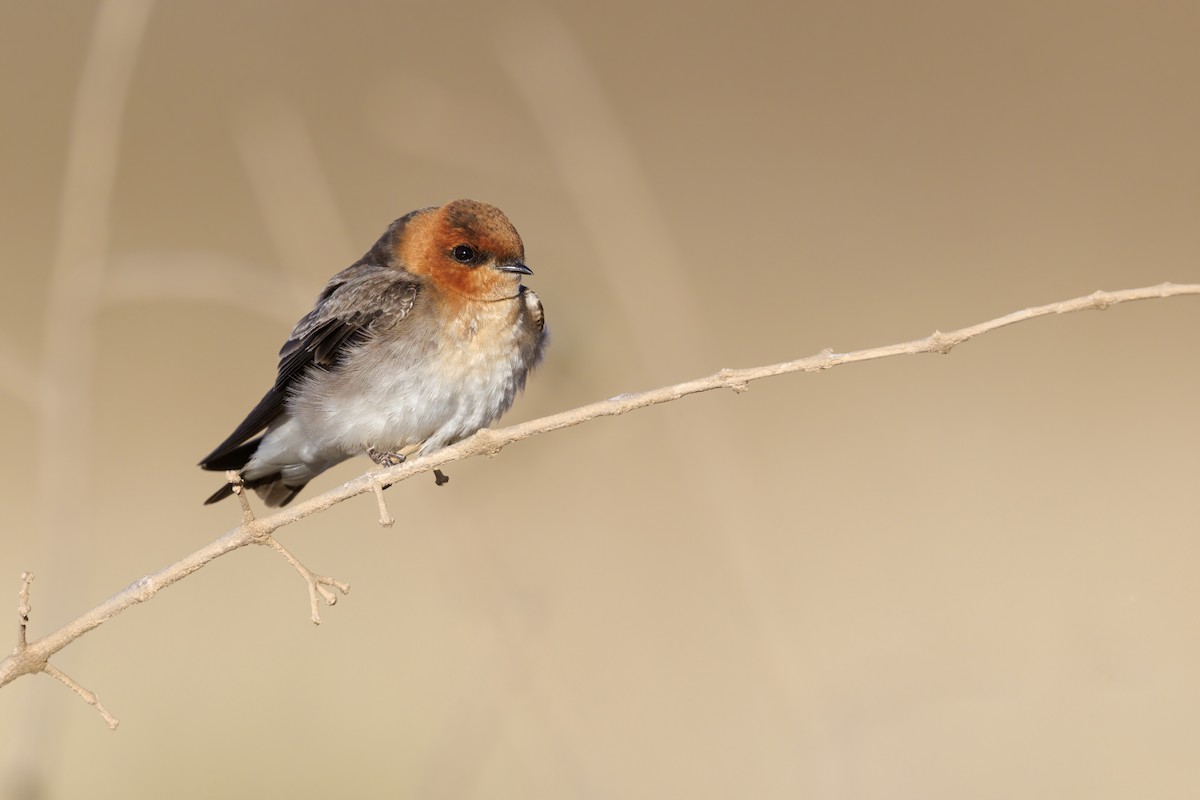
{"points": [[220, 494], [278, 493], [235, 458], [271, 488]]}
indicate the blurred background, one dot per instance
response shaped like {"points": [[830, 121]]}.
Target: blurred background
{"points": [[929, 577]]}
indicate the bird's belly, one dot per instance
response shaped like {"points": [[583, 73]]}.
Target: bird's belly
{"points": [[391, 399]]}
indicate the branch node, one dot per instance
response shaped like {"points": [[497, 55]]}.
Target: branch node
{"points": [[732, 379], [1101, 300], [88, 697], [821, 361], [487, 441], [385, 519], [316, 583], [145, 588], [941, 343]]}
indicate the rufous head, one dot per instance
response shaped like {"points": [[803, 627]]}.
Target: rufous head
{"points": [[465, 246]]}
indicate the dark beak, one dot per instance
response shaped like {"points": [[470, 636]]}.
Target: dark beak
{"points": [[518, 268]]}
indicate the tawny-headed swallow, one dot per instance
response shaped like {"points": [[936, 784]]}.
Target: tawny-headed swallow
{"points": [[420, 343]]}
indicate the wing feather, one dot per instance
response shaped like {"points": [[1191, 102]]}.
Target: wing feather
{"points": [[352, 304]]}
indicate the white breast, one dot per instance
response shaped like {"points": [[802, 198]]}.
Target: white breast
{"points": [[394, 393]]}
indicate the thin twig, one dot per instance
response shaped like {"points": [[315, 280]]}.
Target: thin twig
{"points": [[385, 519], [23, 609], [35, 656], [88, 697], [239, 489]]}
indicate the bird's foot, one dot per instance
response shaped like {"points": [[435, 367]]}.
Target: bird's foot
{"points": [[440, 478], [385, 458]]}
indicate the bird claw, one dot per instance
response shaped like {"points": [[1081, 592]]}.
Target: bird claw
{"points": [[385, 458]]}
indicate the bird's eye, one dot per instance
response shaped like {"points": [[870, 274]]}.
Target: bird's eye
{"points": [[463, 253]]}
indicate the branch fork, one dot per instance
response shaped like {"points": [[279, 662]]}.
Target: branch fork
{"points": [[263, 533], [32, 660]]}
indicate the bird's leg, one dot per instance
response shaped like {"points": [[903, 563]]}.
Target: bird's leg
{"points": [[440, 477], [384, 458]]}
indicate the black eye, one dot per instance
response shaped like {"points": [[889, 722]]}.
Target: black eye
{"points": [[463, 253]]}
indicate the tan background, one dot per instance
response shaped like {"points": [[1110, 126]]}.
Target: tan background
{"points": [[934, 577]]}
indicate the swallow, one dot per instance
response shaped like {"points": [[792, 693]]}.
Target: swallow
{"points": [[420, 343]]}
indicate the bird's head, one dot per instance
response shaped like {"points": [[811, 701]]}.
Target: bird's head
{"points": [[465, 246]]}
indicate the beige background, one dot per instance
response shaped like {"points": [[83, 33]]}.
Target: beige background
{"points": [[934, 577]]}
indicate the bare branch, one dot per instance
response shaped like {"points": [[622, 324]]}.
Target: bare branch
{"points": [[34, 657]]}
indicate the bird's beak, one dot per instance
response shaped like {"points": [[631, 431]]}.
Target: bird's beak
{"points": [[517, 267]]}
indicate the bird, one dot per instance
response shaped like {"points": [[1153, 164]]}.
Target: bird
{"points": [[420, 343]]}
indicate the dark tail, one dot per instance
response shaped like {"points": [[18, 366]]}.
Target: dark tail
{"points": [[220, 494], [236, 458], [270, 488]]}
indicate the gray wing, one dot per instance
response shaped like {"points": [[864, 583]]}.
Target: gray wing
{"points": [[353, 302]]}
